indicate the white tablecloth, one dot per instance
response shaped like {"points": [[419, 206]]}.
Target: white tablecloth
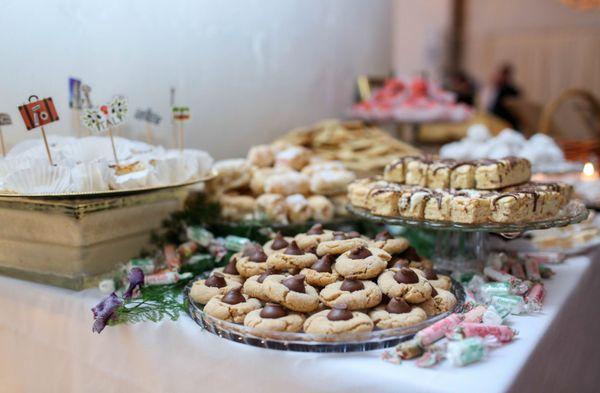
{"points": [[46, 345]]}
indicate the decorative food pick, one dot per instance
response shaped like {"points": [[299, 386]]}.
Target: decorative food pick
{"points": [[105, 118], [180, 115], [5, 120], [172, 105], [149, 117], [38, 113], [75, 103]]}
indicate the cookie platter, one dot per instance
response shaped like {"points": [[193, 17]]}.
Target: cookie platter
{"points": [[306, 342]]}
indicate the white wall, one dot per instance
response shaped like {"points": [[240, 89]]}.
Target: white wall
{"points": [[249, 70], [420, 30]]}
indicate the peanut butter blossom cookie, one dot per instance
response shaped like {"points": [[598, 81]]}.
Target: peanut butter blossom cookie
{"points": [[362, 262], [230, 271], [233, 306], [397, 313], [277, 244], [253, 261], [293, 257], [217, 284], [341, 243], [355, 294], [322, 272], [255, 286], [441, 301], [437, 280], [315, 235], [274, 317], [405, 283], [338, 320], [292, 292]]}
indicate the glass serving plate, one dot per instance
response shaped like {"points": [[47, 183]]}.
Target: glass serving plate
{"points": [[575, 211], [305, 342], [465, 247]]}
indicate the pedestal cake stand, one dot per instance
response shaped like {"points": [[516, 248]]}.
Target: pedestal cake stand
{"points": [[465, 247]]}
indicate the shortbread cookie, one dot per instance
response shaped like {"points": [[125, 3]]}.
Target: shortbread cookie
{"points": [[298, 208], [508, 171], [412, 203], [272, 207], [462, 176], [438, 206], [438, 281], [397, 313], [255, 286], [253, 261], [358, 192], [416, 171], [513, 207], [338, 245], [438, 174], [315, 235], [292, 292], [322, 272], [322, 208], [355, 294], [278, 244], [470, 207], [389, 243], [405, 283], [384, 201], [287, 183], [261, 156], [233, 306], [330, 182], [293, 257], [394, 171], [204, 289], [338, 321], [362, 263], [441, 301], [275, 318], [237, 207]]}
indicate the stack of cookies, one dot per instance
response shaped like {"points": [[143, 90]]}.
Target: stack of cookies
{"points": [[280, 183], [325, 282], [465, 192]]}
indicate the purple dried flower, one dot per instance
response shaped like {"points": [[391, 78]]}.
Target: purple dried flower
{"points": [[104, 311], [136, 280]]}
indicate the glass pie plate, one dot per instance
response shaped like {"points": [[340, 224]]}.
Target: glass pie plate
{"points": [[305, 342]]}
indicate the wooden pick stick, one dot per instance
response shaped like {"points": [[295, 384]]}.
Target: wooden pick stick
{"points": [[2, 143], [47, 147], [114, 149], [149, 135], [180, 136]]}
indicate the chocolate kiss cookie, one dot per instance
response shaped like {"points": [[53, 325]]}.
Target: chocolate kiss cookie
{"points": [[264, 275], [233, 296], [295, 283], [293, 249], [411, 254], [430, 274], [398, 262], [383, 236], [216, 280], [352, 285], [323, 265], [361, 252], [339, 312], [230, 268], [279, 242], [273, 310], [316, 229], [406, 276], [258, 255], [398, 306]]}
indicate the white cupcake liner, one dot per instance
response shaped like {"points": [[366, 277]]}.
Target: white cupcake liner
{"points": [[39, 180]]}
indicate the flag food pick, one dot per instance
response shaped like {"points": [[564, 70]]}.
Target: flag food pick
{"points": [[148, 117], [5, 120], [75, 103], [105, 118], [38, 113], [180, 115]]}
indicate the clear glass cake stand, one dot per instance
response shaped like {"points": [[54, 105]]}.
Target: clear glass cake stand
{"points": [[465, 247]]}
